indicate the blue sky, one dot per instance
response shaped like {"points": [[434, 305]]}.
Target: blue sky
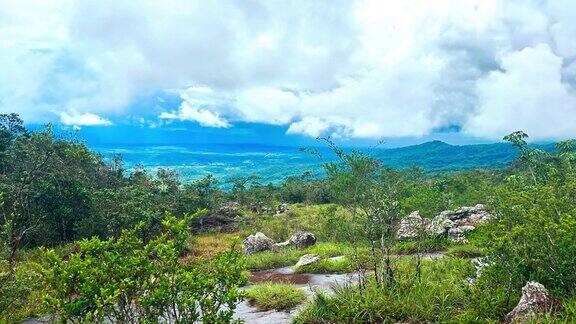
{"points": [[286, 72]]}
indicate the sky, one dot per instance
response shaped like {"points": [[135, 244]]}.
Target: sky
{"points": [[290, 71]]}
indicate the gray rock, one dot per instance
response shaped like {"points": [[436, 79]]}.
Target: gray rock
{"points": [[256, 243], [302, 239], [412, 226], [535, 300], [440, 225], [307, 259], [456, 234]]}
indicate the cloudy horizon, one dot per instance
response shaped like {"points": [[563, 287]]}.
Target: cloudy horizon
{"points": [[360, 70]]}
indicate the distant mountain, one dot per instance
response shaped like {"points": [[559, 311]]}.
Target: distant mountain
{"points": [[439, 156]]}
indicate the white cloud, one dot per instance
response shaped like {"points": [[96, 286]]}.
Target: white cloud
{"points": [[195, 102], [364, 69], [83, 119], [527, 95], [310, 126]]}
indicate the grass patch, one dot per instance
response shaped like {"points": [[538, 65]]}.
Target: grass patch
{"points": [[207, 246], [465, 251], [440, 295], [343, 265], [289, 256], [427, 245], [278, 296]]}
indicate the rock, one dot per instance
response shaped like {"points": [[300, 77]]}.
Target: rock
{"points": [[456, 234], [307, 259], [282, 208], [302, 239], [480, 264], [453, 224], [412, 226], [535, 300], [229, 209], [440, 225], [256, 243]]}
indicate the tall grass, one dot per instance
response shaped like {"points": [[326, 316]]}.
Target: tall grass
{"points": [[440, 295]]}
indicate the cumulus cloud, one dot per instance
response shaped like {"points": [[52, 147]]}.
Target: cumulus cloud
{"points": [[528, 94], [361, 69], [83, 119]]}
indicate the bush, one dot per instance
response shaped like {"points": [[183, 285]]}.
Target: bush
{"points": [[127, 279], [21, 289], [278, 296]]}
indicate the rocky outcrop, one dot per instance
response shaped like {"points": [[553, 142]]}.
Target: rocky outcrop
{"points": [[412, 226], [450, 224], [307, 259], [256, 243], [535, 300]]}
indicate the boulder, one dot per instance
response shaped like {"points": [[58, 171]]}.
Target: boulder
{"points": [[440, 225], [470, 215], [453, 224], [256, 243], [302, 239], [535, 300], [412, 226], [307, 259]]}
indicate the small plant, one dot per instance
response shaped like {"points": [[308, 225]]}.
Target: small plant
{"points": [[278, 296]]}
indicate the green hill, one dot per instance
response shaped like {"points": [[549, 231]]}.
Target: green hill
{"points": [[439, 156]]}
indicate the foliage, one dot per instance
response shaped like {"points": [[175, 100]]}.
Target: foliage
{"points": [[127, 279], [278, 296]]}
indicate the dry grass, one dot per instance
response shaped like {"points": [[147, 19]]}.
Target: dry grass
{"points": [[207, 246]]}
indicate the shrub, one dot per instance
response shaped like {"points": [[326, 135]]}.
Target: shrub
{"points": [[278, 296], [127, 279]]}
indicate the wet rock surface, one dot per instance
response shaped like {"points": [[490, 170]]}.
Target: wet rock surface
{"points": [[307, 259]]}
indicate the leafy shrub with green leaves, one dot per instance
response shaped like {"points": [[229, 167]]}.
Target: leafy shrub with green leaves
{"points": [[128, 279]]}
